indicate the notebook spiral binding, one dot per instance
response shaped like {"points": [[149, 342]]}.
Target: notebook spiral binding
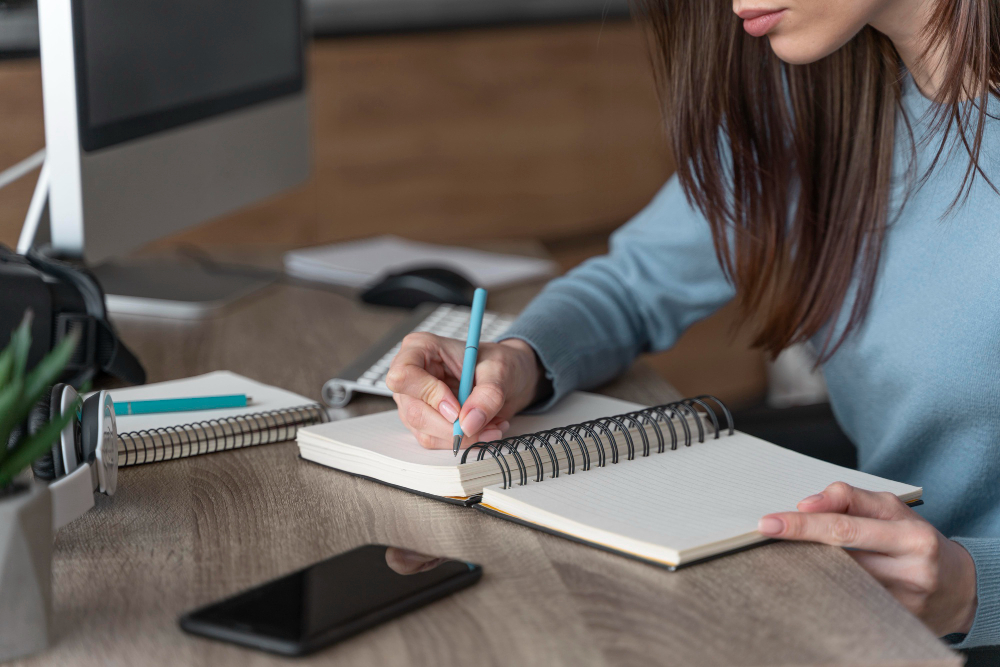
{"points": [[204, 437], [604, 428]]}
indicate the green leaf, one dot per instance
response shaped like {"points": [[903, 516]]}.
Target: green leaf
{"points": [[9, 416], [35, 385], [32, 447], [9, 396], [17, 400], [12, 397], [48, 369], [6, 364], [20, 343]]}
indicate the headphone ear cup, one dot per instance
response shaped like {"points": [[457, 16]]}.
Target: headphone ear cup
{"points": [[17, 433], [55, 409], [48, 466]]}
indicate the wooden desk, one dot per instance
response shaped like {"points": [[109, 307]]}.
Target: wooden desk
{"points": [[180, 534]]}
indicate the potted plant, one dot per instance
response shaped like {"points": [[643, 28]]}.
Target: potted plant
{"points": [[25, 506]]}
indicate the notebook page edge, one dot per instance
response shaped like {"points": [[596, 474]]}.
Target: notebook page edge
{"points": [[553, 519]]}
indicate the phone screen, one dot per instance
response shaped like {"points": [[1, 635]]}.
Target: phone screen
{"points": [[332, 599]]}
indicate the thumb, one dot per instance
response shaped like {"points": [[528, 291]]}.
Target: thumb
{"points": [[485, 401]]}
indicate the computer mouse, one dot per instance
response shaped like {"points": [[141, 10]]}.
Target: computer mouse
{"points": [[429, 284]]}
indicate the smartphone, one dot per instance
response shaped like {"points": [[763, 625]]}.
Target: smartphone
{"points": [[331, 600]]}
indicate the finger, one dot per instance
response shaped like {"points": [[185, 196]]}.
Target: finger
{"points": [[422, 418], [487, 398], [432, 430], [408, 375], [428, 441], [419, 416], [841, 530], [909, 585], [910, 581], [885, 569], [488, 434], [842, 498]]}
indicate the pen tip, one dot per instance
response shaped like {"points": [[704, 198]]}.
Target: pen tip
{"points": [[456, 444]]}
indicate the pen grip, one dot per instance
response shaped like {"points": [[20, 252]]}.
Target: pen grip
{"points": [[465, 385], [471, 350], [468, 374]]}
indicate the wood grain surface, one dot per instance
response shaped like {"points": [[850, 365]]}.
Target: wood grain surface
{"points": [[548, 131], [184, 533]]}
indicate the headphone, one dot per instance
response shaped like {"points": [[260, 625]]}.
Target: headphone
{"points": [[64, 298], [84, 460]]}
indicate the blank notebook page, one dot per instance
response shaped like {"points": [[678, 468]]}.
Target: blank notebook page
{"points": [[692, 496], [385, 435]]}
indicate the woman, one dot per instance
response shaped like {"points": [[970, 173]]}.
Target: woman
{"points": [[837, 169]]}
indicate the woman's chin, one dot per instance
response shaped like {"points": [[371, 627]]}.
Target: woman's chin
{"points": [[800, 50]]}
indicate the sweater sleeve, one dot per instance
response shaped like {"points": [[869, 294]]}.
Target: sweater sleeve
{"points": [[660, 276], [985, 552]]}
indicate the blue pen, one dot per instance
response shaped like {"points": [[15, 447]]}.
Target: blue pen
{"points": [[469, 363], [189, 404]]}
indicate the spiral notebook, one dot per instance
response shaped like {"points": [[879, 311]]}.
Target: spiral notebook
{"points": [[670, 485], [274, 415]]}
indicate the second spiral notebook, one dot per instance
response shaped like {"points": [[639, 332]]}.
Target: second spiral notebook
{"points": [[670, 485], [274, 415]]}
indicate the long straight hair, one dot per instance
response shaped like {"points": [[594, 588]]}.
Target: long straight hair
{"points": [[792, 164]]}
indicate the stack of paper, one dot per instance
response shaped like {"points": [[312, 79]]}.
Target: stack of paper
{"points": [[379, 446]]}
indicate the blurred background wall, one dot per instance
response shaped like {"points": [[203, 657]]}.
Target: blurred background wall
{"points": [[454, 120]]}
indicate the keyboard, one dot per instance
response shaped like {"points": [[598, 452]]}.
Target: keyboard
{"points": [[367, 373]]}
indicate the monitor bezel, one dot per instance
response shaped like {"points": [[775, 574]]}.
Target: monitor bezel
{"points": [[93, 138]]}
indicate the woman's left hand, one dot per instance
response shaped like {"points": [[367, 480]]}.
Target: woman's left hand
{"points": [[932, 576]]}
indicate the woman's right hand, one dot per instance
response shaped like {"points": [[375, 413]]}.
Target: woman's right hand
{"points": [[424, 379]]}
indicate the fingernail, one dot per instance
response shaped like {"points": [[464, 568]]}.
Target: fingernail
{"points": [[503, 426], [815, 498], [448, 411], [490, 434], [771, 525], [474, 421], [411, 558]]}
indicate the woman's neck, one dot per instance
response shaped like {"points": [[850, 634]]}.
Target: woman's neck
{"points": [[904, 22]]}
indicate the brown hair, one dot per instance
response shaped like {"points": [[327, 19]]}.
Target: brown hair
{"points": [[792, 164]]}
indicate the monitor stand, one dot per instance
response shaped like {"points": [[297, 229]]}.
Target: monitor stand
{"points": [[173, 287]]}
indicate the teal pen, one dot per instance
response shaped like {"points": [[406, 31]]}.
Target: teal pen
{"points": [[469, 363], [190, 404]]}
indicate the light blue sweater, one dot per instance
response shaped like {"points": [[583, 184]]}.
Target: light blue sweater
{"points": [[916, 388]]}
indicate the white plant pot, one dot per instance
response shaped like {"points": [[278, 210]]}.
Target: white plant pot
{"points": [[25, 571]]}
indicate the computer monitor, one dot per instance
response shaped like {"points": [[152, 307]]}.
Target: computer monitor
{"points": [[162, 115]]}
